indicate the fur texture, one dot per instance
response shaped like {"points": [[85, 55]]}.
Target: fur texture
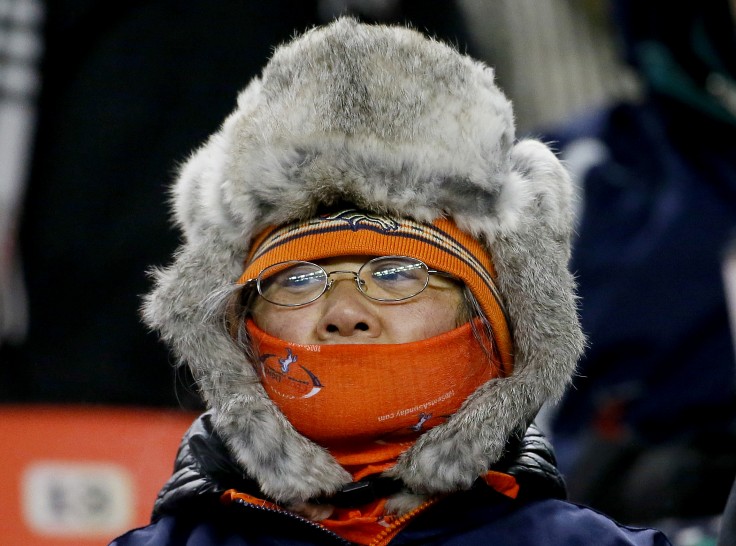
{"points": [[399, 124]]}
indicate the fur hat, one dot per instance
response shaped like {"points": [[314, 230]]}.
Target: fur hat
{"points": [[398, 124]]}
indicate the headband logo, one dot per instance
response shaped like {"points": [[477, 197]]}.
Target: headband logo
{"points": [[356, 218]]}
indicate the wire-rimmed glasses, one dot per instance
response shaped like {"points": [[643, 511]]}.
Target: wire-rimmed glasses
{"points": [[386, 278]]}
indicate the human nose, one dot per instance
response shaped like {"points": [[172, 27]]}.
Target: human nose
{"points": [[347, 315]]}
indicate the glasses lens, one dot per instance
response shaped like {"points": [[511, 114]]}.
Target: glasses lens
{"points": [[393, 278], [292, 283]]}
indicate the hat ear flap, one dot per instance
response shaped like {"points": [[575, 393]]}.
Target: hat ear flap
{"points": [[533, 276], [531, 257]]}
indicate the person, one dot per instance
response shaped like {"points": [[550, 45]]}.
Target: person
{"points": [[372, 293]]}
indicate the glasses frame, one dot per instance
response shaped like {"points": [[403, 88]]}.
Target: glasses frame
{"points": [[356, 277]]}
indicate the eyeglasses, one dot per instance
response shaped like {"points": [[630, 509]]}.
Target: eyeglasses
{"points": [[386, 278]]}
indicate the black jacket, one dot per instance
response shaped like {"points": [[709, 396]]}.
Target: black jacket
{"points": [[204, 470], [188, 512]]}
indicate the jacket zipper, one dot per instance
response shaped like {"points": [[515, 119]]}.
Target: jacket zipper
{"points": [[294, 517], [387, 535]]}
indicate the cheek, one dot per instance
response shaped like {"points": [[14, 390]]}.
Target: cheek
{"points": [[434, 323], [427, 318], [293, 325]]}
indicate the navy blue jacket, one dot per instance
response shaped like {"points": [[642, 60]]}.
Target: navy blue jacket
{"points": [[188, 510], [470, 518]]}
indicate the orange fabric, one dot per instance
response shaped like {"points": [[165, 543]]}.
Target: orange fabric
{"points": [[503, 483], [369, 403], [442, 245], [233, 494], [368, 525]]}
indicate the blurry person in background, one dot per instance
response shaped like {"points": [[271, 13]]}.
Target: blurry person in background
{"points": [[372, 293], [652, 416]]}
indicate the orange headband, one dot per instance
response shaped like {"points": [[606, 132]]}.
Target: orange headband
{"points": [[441, 245]]}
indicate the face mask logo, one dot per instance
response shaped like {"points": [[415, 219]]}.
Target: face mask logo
{"points": [[289, 382], [407, 434], [423, 418]]}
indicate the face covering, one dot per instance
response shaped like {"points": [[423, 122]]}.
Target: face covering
{"points": [[368, 403]]}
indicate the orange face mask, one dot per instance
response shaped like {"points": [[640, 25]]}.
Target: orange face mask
{"points": [[368, 403]]}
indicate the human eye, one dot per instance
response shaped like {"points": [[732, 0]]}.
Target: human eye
{"points": [[398, 271], [393, 278], [299, 278], [295, 284]]}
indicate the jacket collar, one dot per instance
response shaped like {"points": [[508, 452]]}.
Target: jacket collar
{"points": [[204, 468]]}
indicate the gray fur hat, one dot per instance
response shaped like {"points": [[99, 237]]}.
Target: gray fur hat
{"points": [[398, 124]]}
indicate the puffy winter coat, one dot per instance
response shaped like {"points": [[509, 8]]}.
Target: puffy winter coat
{"points": [[189, 510]]}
